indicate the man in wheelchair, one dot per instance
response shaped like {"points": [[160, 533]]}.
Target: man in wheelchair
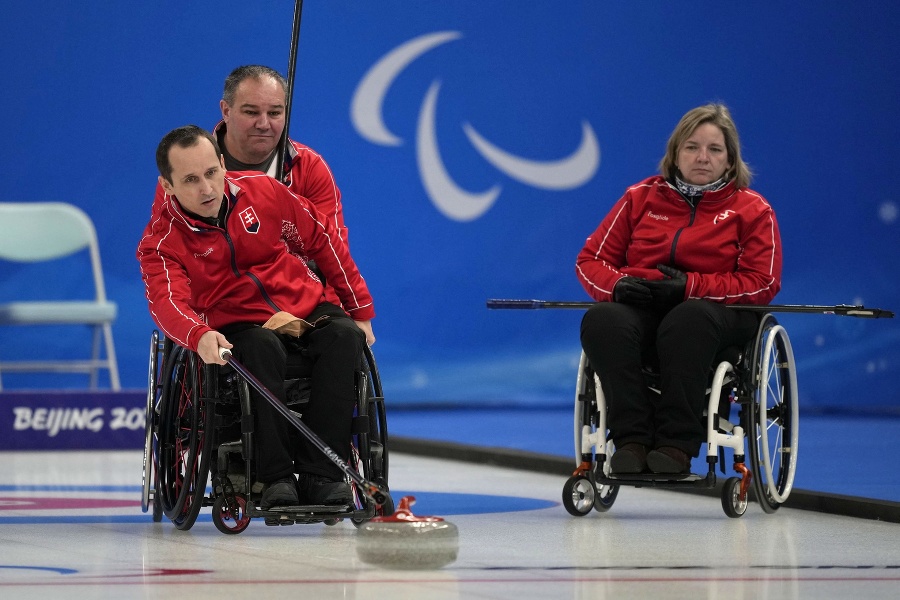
{"points": [[225, 265], [662, 265]]}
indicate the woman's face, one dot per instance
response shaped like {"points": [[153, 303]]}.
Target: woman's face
{"points": [[703, 158]]}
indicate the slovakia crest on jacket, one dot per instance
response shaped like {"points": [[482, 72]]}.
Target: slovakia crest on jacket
{"points": [[248, 218]]}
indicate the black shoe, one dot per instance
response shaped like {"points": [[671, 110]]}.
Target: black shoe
{"points": [[320, 490], [669, 460], [281, 492], [629, 459]]}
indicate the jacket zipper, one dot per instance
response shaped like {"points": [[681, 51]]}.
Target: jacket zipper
{"points": [[249, 275], [680, 229]]}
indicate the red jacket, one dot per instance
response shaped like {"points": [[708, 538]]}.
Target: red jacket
{"points": [[199, 277], [728, 245], [306, 174]]}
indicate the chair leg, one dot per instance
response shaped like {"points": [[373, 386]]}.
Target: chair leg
{"points": [[95, 356], [111, 362]]}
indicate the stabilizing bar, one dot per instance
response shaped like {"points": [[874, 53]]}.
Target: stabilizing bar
{"points": [[845, 310]]}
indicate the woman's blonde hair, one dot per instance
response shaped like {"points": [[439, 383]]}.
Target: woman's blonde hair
{"points": [[718, 115]]}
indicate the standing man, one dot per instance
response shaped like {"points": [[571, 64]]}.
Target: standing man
{"points": [[224, 262], [253, 109]]}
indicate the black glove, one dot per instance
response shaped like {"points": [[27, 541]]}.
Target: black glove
{"points": [[633, 291], [669, 291]]}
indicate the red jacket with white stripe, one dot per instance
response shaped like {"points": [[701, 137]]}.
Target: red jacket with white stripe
{"points": [[199, 277], [306, 174], [728, 245]]}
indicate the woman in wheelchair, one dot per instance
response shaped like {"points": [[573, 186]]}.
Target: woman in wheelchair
{"points": [[662, 265], [225, 266]]}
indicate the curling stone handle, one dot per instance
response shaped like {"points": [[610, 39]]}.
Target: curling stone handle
{"points": [[404, 514]]}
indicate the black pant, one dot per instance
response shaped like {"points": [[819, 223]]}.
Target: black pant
{"points": [[332, 354], [618, 339]]}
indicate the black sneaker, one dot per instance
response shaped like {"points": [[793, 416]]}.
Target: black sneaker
{"points": [[281, 492], [320, 490]]}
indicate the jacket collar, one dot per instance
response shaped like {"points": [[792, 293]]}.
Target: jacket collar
{"points": [[177, 213], [290, 159], [708, 197]]}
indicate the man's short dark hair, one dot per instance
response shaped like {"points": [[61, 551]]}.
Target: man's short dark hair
{"points": [[235, 78], [183, 137]]}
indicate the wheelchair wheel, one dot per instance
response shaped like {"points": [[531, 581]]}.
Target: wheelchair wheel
{"points": [[183, 461], [378, 431], [586, 414], [230, 520], [370, 442], [578, 495], [772, 433], [585, 400], [150, 474], [732, 504], [606, 494], [386, 509]]}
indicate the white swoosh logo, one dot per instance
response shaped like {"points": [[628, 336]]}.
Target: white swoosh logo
{"points": [[449, 198], [366, 113], [565, 174], [365, 110]]}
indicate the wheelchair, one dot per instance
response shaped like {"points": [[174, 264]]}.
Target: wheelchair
{"points": [[199, 430], [752, 402]]}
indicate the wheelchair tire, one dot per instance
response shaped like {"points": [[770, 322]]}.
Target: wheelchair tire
{"points": [[773, 427], [578, 495], [378, 436], [387, 508], [732, 504], [157, 509], [184, 462], [605, 497], [584, 413], [149, 475], [371, 446]]}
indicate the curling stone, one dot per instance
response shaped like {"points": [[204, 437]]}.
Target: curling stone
{"points": [[406, 541]]}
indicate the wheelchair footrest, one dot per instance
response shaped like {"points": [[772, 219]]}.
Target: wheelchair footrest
{"points": [[311, 508], [658, 480], [289, 515]]}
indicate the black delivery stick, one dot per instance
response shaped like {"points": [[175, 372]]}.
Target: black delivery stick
{"points": [[845, 310]]}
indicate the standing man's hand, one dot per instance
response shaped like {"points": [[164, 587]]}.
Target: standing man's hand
{"points": [[366, 326], [208, 347]]}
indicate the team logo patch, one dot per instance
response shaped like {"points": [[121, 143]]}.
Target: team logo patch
{"points": [[722, 216], [248, 218]]}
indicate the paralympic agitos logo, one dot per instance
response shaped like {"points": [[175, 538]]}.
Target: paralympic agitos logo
{"points": [[448, 197]]}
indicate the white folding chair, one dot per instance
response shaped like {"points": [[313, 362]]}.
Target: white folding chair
{"points": [[32, 232]]}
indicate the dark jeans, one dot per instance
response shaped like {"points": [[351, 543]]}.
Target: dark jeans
{"points": [[331, 354], [618, 339]]}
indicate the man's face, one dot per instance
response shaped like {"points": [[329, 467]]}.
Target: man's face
{"points": [[255, 119], [198, 178]]}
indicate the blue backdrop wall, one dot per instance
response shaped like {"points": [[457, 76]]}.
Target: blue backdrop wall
{"points": [[477, 144]]}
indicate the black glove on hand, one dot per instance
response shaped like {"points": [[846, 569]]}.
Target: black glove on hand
{"points": [[669, 291], [633, 291]]}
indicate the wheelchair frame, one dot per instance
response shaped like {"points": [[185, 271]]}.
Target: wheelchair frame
{"points": [[188, 407], [762, 382]]}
